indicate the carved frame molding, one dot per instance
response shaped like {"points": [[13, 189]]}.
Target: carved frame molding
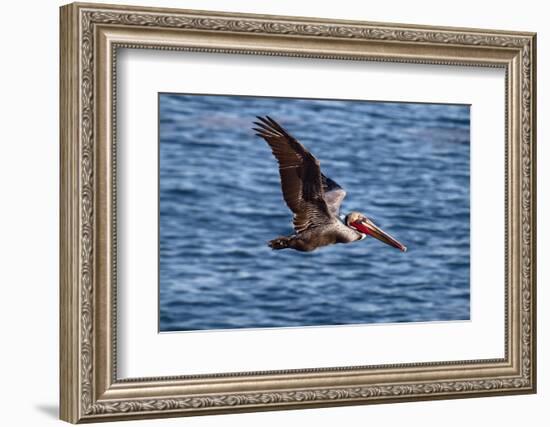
{"points": [[90, 37]]}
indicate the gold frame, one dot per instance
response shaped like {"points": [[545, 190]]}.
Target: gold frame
{"points": [[90, 36]]}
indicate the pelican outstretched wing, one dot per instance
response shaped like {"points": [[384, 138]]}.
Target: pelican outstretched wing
{"points": [[304, 187], [334, 195]]}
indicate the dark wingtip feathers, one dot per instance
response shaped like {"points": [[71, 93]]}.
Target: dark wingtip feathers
{"points": [[266, 127]]}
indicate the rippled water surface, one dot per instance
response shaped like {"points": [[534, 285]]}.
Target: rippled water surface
{"points": [[404, 165]]}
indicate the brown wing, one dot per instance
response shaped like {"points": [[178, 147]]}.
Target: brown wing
{"points": [[301, 178]]}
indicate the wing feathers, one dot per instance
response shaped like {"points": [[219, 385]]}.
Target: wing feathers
{"points": [[301, 179], [334, 195]]}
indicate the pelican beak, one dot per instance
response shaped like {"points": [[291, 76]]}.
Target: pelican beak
{"points": [[371, 229]]}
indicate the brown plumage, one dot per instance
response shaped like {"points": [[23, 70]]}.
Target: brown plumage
{"points": [[313, 198]]}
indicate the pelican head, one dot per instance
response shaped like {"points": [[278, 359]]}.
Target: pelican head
{"points": [[365, 226]]}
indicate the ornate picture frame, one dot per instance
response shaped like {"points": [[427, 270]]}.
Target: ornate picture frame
{"points": [[90, 37]]}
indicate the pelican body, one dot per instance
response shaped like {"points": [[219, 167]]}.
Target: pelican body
{"points": [[313, 198]]}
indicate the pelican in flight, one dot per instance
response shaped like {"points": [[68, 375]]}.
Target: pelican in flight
{"points": [[313, 198]]}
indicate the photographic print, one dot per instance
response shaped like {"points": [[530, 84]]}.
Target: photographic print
{"points": [[287, 212], [225, 186]]}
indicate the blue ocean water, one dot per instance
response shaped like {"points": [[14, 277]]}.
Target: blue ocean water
{"points": [[405, 165]]}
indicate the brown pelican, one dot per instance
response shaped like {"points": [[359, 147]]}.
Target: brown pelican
{"points": [[313, 198]]}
